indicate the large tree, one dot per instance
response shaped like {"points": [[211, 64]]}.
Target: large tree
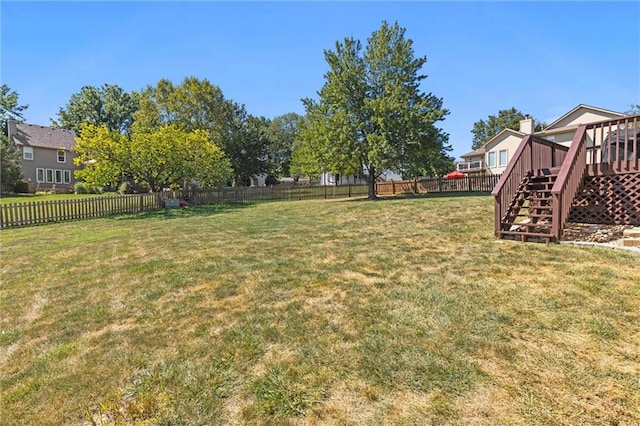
{"points": [[10, 170], [156, 157], [281, 132], [109, 105], [484, 130], [371, 114], [199, 105]]}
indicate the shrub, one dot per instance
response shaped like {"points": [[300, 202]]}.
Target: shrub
{"points": [[82, 188], [271, 180], [123, 188], [21, 187]]}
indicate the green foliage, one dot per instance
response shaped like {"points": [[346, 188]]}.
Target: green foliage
{"points": [[104, 153], [84, 188], [199, 105], [109, 105], [484, 130], [154, 157], [10, 169], [9, 108], [371, 114], [282, 132], [21, 187]]}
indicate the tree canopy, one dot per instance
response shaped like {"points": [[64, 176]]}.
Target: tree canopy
{"points": [[156, 157], [371, 114], [633, 109], [109, 105], [10, 170], [199, 105], [282, 132], [484, 130]]}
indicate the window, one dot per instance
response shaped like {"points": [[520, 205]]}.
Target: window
{"points": [[503, 158], [27, 153], [62, 156], [491, 159], [66, 178], [58, 176], [49, 176], [39, 175]]}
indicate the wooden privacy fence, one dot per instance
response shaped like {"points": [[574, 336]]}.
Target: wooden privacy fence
{"points": [[38, 212], [483, 183]]}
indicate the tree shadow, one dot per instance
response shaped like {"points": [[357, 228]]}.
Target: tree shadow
{"points": [[185, 212], [408, 196]]}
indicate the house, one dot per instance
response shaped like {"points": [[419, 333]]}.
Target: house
{"points": [[584, 167], [47, 155], [328, 178], [495, 154]]}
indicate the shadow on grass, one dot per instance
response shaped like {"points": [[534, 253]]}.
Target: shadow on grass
{"points": [[456, 194], [184, 212]]}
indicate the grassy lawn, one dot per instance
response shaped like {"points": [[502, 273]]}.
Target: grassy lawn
{"points": [[26, 198], [403, 311]]}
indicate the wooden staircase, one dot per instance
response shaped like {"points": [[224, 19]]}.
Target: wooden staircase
{"points": [[595, 180], [529, 216]]}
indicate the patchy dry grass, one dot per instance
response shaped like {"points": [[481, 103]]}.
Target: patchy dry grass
{"points": [[404, 311]]}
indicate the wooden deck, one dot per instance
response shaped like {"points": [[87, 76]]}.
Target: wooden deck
{"points": [[597, 180]]}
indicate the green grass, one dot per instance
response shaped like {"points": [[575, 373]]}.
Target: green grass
{"points": [[403, 311], [27, 198]]}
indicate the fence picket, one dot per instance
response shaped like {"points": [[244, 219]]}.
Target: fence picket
{"points": [[23, 214]]}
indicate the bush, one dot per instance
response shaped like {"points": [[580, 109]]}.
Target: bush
{"points": [[82, 188], [123, 188], [21, 187], [271, 180]]}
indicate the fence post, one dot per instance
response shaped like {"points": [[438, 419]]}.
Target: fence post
{"points": [[325, 192], [415, 185], [469, 182], [393, 187], [349, 189], [439, 183]]}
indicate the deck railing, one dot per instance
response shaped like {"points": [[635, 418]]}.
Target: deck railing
{"points": [[533, 154], [613, 146], [470, 166], [601, 148]]}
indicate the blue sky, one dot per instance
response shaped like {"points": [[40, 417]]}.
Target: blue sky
{"points": [[543, 57]]}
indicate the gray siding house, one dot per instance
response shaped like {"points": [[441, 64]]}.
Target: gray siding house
{"points": [[47, 155]]}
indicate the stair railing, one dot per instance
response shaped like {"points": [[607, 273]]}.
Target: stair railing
{"points": [[533, 154], [569, 180]]}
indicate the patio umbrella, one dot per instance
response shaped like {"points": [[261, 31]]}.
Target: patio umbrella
{"points": [[455, 175]]}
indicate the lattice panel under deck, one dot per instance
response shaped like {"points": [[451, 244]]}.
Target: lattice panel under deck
{"points": [[608, 200]]}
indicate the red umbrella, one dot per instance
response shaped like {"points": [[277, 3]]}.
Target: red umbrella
{"points": [[455, 175]]}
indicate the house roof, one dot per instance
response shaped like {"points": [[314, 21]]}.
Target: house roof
{"points": [[479, 151], [502, 134], [43, 136], [557, 122]]}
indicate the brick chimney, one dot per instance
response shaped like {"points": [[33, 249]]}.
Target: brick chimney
{"points": [[526, 125]]}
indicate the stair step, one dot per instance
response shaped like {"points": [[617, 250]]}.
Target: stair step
{"points": [[536, 215], [528, 224], [526, 234]]}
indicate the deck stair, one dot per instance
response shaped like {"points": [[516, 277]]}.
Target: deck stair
{"points": [[529, 216]]}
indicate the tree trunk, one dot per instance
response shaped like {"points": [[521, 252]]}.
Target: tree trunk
{"points": [[372, 183]]}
